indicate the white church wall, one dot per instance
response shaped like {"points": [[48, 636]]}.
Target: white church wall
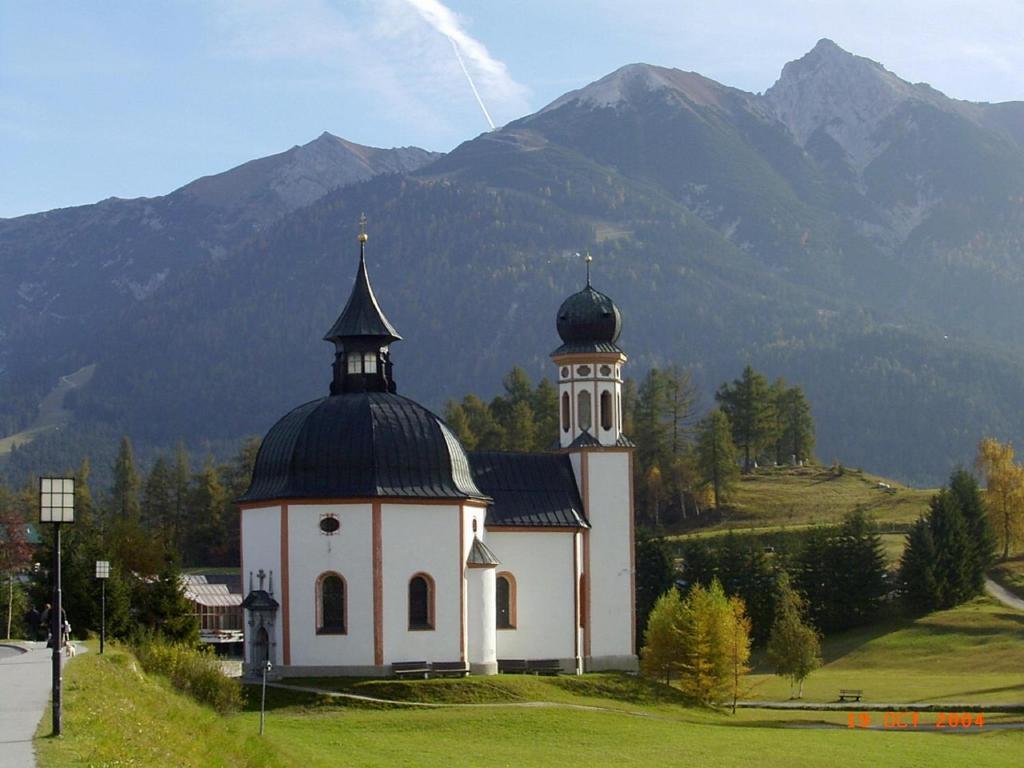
{"points": [[421, 539], [348, 553], [610, 558], [261, 549], [542, 565]]}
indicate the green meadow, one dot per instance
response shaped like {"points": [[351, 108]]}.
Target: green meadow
{"points": [[116, 715]]}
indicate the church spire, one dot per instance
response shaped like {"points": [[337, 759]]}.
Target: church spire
{"points": [[362, 336]]}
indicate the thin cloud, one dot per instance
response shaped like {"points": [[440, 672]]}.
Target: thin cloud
{"points": [[395, 57]]}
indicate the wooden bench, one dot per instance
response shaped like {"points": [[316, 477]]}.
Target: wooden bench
{"points": [[512, 666], [850, 693], [544, 667], [449, 669], [410, 669]]}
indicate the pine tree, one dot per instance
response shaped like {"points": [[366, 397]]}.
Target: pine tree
{"points": [[918, 584], [716, 454], [980, 537], [124, 497], [163, 607], [951, 549], [545, 414], [489, 433], [654, 577], [795, 425], [207, 539], [738, 648], [158, 498], [520, 428], [707, 637], [748, 404], [794, 647], [181, 475], [457, 420], [661, 654]]}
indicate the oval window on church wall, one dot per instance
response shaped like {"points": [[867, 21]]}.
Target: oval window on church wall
{"points": [[583, 409], [566, 412]]}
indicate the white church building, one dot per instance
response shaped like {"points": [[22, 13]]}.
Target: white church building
{"points": [[370, 537]]}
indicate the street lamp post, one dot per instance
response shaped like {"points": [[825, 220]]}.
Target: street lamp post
{"points": [[56, 505], [267, 666], [103, 573]]}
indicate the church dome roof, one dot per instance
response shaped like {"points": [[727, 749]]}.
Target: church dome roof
{"points": [[361, 445], [588, 321]]}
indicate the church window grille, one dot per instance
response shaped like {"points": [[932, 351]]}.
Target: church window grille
{"points": [[606, 410], [566, 411], [330, 605], [583, 370], [421, 602], [505, 600], [583, 409], [606, 370]]}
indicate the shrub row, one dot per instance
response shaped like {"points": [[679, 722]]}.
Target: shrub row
{"points": [[196, 672]]}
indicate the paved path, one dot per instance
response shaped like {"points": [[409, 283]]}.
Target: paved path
{"points": [[25, 682], [1003, 595]]}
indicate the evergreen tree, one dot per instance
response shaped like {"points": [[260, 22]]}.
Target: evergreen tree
{"points": [[951, 549], [980, 537], [748, 404], [490, 435], [158, 498], [457, 420], [918, 584], [678, 403], [163, 607], [795, 426], [716, 454], [661, 654], [738, 646], [707, 641], [545, 414], [181, 475], [859, 568], [520, 428], [794, 647], [124, 497], [654, 577], [207, 539]]}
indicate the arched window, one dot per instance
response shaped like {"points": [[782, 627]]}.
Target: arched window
{"points": [[505, 600], [606, 410], [421, 602], [330, 605], [583, 409], [566, 411]]}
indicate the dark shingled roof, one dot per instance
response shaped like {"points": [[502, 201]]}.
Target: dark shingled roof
{"points": [[529, 489], [362, 315], [358, 445], [259, 600], [481, 555], [588, 321]]}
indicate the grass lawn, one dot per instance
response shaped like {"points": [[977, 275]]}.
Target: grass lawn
{"points": [[116, 715], [803, 496], [1011, 575], [973, 653]]}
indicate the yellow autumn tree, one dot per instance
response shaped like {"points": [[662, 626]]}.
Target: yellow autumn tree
{"points": [[1004, 491]]}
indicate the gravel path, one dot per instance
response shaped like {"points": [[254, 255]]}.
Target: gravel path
{"points": [[1003, 595]]}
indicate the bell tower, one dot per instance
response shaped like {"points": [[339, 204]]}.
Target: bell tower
{"points": [[362, 337], [589, 369], [590, 430]]}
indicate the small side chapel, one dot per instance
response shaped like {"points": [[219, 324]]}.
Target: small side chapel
{"points": [[376, 539]]}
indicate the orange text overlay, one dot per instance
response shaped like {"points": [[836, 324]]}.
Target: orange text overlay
{"points": [[896, 720]]}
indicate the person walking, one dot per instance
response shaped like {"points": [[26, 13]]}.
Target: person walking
{"points": [[32, 621]]}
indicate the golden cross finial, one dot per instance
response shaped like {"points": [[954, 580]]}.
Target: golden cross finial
{"points": [[363, 237]]}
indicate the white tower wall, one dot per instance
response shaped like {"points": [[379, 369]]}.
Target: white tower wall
{"points": [[590, 396], [482, 640]]}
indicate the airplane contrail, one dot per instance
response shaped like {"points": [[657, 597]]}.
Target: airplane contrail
{"points": [[469, 79]]}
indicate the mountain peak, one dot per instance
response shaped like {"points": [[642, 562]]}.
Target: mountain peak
{"points": [[845, 95], [633, 82]]}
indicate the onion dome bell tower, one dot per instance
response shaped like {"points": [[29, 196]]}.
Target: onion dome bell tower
{"points": [[589, 370], [362, 337]]}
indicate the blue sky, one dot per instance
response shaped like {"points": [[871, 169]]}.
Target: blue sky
{"points": [[139, 97]]}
